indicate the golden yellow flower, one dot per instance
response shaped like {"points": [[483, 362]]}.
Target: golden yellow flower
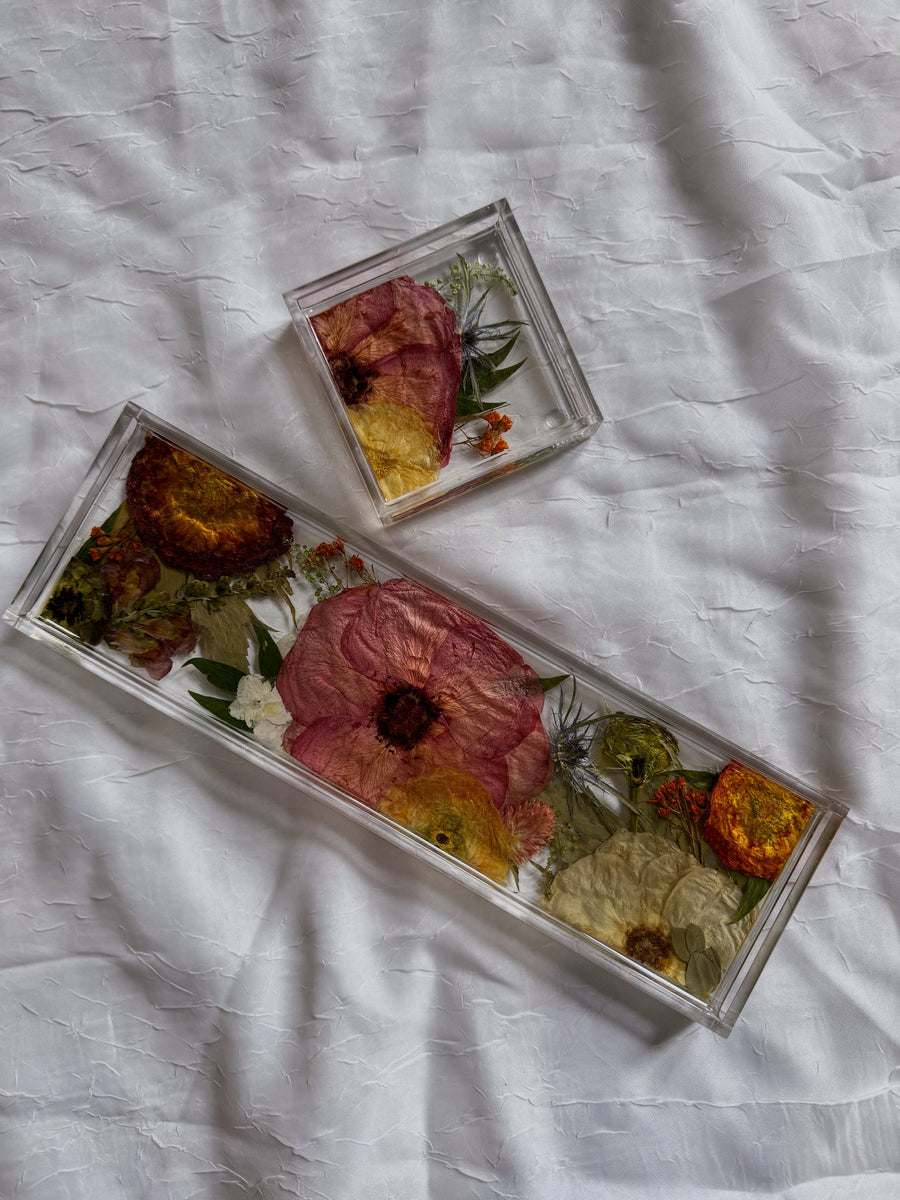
{"points": [[401, 448], [454, 811], [636, 889]]}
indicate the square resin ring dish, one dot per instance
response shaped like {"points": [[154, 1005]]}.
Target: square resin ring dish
{"points": [[444, 362], [613, 825]]}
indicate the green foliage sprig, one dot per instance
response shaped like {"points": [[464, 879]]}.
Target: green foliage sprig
{"points": [[485, 345]]}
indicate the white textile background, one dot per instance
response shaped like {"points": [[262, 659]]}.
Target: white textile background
{"points": [[209, 985]]}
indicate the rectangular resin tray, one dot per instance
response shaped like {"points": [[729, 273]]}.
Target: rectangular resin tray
{"points": [[436, 723], [386, 356]]}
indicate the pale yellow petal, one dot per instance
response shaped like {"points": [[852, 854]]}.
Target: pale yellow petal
{"points": [[598, 894], [400, 447], [635, 883], [661, 875], [706, 898]]}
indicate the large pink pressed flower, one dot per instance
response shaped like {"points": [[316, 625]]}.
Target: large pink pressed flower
{"points": [[387, 682]]}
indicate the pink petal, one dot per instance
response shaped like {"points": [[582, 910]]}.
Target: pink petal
{"points": [[493, 697], [398, 633], [532, 824], [315, 679], [341, 328], [426, 380], [529, 766], [349, 754], [420, 317]]}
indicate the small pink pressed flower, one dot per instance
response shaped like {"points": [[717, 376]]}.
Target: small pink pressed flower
{"points": [[152, 644], [387, 682]]}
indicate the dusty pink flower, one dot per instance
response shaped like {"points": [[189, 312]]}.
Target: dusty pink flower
{"points": [[152, 644], [132, 574], [387, 682], [395, 356]]}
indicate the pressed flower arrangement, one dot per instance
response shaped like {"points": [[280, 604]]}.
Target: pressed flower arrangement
{"points": [[444, 362], [614, 826]]}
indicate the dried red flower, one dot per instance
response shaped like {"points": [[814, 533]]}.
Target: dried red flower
{"points": [[152, 644], [387, 682]]}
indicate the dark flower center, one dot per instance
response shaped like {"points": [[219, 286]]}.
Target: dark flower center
{"points": [[404, 716], [67, 606], [647, 946], [353, 381], [636, 770]]}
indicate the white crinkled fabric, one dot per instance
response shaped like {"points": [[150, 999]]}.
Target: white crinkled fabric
{"points": [[210, 984]]}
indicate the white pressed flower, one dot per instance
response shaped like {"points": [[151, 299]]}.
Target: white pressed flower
{"points": [[259, 705], [271, 730], [636, 889]]}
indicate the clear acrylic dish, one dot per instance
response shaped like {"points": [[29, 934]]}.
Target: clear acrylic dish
{"points": [[579, 806], [385, 347]]}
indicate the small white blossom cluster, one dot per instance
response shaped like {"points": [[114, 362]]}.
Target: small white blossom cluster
{"points": [[259, 705]]}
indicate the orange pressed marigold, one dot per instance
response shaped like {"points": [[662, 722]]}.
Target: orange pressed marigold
{"points": [[753, 823], [198, 518]]}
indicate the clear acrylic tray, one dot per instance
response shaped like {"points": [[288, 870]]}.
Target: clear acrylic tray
{"points": [[610, 823], [439, 389]]}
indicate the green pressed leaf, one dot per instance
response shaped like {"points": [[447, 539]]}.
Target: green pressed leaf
{"points": [[220, 675], [270, 657], [491, 377], [754, 890], [572, 840], [702, 972], [467, 406], [226, 630], [552, 681], [495, 357], [478, 381], [219, 708], [470, 404], [695, 939], [171, 579], [701, 780], [678, 938]]}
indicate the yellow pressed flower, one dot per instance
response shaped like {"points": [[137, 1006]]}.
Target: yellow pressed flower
{"points": [[454, 811], [400, 446]]}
